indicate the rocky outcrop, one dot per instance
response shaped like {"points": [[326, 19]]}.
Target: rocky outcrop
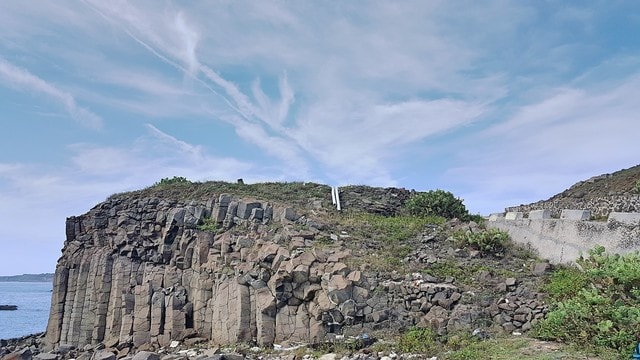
{"points": [[383, 201], [140, 271]]}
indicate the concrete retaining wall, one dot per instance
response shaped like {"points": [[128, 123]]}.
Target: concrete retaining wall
{"points": [[539, 214], [564, 240], [567, 214], [625, 218]]}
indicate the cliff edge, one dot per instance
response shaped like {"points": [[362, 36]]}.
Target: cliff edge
{"points": [[265, 264]]}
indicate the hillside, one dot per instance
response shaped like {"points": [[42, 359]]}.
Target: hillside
{"points": [[601, 194], [277, 263]]}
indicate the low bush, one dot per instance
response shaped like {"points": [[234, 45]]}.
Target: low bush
{"points": [[437, 203], [209, 225], [172, 181], [418, 340], [597, 307], [487, 240], [565, 283]]}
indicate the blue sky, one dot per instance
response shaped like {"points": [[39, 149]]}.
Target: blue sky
{"points": [[499, 102]]}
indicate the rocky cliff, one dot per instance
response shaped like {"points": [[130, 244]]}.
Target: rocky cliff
{"points": [[216, 263]]}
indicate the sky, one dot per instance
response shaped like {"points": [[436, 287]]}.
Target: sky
{"points": [[500, 102]]}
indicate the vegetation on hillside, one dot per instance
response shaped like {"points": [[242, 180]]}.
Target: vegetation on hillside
{"points": [[493, 241], [437, 203], [596, 305], [178, 187], [391, 238]]}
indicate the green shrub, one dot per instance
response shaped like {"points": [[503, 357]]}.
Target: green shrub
{"points": [[636, 187], [437, 203], [491, 240], [477, 218], [418, 340], [209, 225], [599, 307], [565, 283], [172, 181]]}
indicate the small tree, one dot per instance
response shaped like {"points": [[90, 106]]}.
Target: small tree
{"points": [[437, 203]]}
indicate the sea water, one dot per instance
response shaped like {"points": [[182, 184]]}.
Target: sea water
{"points": [[33, 300]]}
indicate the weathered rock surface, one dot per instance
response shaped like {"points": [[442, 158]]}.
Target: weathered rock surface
{"points": [[140, 272], [137, 273]]}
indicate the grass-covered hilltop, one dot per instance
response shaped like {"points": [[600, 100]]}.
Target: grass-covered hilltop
{"points": [[275, 270]]}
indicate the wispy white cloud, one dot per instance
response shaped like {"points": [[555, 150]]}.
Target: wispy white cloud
{"points": [[24, 80], [353, 136], [151, 157], [358, 143]]}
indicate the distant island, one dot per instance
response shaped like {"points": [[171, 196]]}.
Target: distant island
{"points": [[47, 277]]}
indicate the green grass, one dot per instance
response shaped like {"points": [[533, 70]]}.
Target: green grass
{"points": [[388, 229], [294, 193], [464, 346], [393, 237], [521, 348]]}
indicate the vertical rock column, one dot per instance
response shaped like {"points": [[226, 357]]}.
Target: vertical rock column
{"points": [[142, 315], [121, 274], [76, 308], [72, 284], [98, 288], [265, 316], [175, 315], [231, 320], [54, 325], [157, 314]]}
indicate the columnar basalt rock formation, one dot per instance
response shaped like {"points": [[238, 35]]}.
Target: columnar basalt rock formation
{"points": [[140, 269]]}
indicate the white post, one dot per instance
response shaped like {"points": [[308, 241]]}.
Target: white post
{"points": [[338, 199], [333, 195]]}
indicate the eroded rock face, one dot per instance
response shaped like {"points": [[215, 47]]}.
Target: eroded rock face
{"points": [[140, 271], [137, 272]]}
